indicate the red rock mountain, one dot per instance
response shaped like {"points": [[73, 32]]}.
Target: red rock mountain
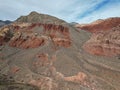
{"points": [[100, 25], [105, 38], [42, 52], [104, 43]]}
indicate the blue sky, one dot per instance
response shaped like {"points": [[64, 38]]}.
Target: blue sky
{"points": [[81, 11]]}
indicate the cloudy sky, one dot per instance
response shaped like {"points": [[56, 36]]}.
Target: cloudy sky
{"points": [[82, 11]]}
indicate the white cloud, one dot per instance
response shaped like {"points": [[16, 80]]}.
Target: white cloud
{"points": [[111, 10], [68, 10]]}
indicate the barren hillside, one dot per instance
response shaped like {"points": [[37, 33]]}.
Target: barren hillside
{"points": [[41, 52]]}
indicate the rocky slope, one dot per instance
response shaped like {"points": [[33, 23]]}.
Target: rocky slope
{"points": [[100, 25], [43, 52]]}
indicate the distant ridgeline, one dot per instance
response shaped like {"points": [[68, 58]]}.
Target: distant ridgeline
{"points": [[2, 23]]}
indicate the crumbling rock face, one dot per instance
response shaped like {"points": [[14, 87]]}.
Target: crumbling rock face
{"points": [[104, 43], [80, 77], [25, 41], [58, 34], [51, 28], [19, 26], [24, 34], [43, 83], [62, 42], [100, 25], [5, 35]]}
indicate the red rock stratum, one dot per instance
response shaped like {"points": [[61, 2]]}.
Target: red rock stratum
{"points": [[100, 25], [26, 35], [104, 43]]}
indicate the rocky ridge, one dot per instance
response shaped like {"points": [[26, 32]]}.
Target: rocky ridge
{"points": [[2, 23], [100, 25]]}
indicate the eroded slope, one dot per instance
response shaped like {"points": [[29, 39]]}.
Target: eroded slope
{"points": [[50, 57]]}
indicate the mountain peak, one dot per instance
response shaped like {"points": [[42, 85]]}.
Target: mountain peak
{"points": [[33, 13], [35, 17]]}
